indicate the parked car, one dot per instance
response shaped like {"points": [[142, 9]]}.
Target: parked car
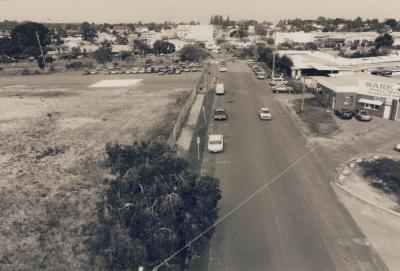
{"points": [[397, 148], [260, 76], [220, 114], [280, 88], [264, 113], [215, 143], [344, 114], [178, 71], [142, 70], [362, 115]]}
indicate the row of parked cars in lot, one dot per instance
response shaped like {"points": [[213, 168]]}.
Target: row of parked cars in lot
{"points": [[358, 114], [216, 142], [161, 70]]}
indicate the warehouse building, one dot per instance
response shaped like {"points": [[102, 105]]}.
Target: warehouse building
{"points": [[378, 95]]}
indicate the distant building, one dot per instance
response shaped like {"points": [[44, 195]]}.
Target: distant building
{"points": [[294, 37]]}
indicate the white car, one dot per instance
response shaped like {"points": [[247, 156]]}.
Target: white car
{"points": [[223, 69], [265, 114], [215, 143], [397, 147], [219, 89], [261, 76]]}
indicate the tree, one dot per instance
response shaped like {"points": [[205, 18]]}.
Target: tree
{"points": [[153, 207], [123, 40], [24, 41], [392, 23], [284, 64], [384, 41], [104, 53], [141, 47], [261, 30], [239, 34], [192, 53], [88, 32], [163, 47]]}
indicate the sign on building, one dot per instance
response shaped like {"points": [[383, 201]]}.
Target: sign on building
{"points": [[380, 89]]}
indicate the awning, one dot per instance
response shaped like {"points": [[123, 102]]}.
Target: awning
{"points": [[373, 102]]}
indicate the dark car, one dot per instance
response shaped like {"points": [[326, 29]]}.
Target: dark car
{"points": [[362, 115], [344, 114], [220, 114]]}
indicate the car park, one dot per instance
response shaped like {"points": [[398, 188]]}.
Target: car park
{"points": [[362, 115], [264, 113], [215, 143], [280, 88], [220, 114], [344, 114]]}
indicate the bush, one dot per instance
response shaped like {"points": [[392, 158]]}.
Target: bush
{"points": [[193, 53], [153, 207]]}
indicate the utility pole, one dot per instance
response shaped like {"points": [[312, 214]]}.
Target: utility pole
{"points": [[273, 55], [302, 94], [41, 51]]}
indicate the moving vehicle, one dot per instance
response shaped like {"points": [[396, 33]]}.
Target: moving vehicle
{"points": [[223, 69], [280, 88], [278, 80], [344, 114], [215, 143], [220, 114], [264, 113], [219, 89], [260, 75], [362, 115]]}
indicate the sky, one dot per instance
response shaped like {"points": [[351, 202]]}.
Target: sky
{"points": [[115, 11]]}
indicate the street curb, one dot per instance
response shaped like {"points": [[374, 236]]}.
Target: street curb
{"points": [[336, 184]]}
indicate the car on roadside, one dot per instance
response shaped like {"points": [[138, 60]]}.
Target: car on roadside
{"points": [[220, 114], [215, 143], [178, 71], [362, 115], [223, 69], [344, 114], [264, 113], [260, 76], [397, 147], [142, 70], [280, 88]]}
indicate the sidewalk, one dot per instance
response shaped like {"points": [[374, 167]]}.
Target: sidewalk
{"points": [[187, 131]]}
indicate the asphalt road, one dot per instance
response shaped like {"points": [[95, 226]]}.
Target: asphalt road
{"points": [[297, 222]]}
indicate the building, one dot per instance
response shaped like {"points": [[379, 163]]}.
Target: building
{"points": [[378, 95], [294, 37], [314, 63]]}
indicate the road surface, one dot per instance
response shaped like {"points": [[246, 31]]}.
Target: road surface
{"points": [[297, 222]]}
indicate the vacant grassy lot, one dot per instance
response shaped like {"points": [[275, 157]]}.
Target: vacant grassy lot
{"points": [[320, 122], [53, 130]]}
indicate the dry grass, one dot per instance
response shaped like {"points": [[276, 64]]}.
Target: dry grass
{"points": [[51, 152], [320, 122]]}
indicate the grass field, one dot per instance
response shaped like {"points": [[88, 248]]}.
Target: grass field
{"points": [[53, 130]]}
